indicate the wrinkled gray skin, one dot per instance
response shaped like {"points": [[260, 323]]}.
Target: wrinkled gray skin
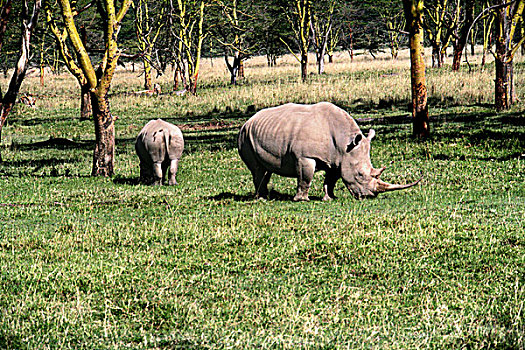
{"points": [[159, 147], [295, 140]]}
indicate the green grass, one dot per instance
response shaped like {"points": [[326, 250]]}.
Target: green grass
{"points": [[108, 263]]}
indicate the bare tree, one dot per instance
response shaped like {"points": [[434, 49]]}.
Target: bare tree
{"points": [[441, 19], [299, 17], [321, 29], [234, 31], [186, 24], [28, 22], [461, 42], [148, 25], [97, 77], [395, 23]]}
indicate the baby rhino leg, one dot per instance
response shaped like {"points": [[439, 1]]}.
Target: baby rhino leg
{"points": [[172, 172], [157, 173]]}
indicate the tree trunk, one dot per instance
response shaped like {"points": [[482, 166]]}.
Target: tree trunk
{"points": [[394, 50], [5, 108], [85, 102], [176, 77], [461, 42], [5, 10], [486, 44], [503, 92], [148, 81], [233, 68], [351, 43], [436, 55], [233, 76], [501, 98], [304, 67], [413, 13], [104, 153], [320, 63], [456, 61], [241, 68], [507, 20], [421, 126]]}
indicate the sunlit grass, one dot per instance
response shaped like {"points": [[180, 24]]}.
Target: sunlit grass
{"points": [[108, 263]]}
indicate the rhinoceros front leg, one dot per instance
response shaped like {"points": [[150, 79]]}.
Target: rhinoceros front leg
{"points": [[329, 185], [305, 172], [172, 172]]}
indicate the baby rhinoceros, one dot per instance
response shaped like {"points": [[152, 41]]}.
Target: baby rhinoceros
{"points": [[295, 140], [159, 147]]}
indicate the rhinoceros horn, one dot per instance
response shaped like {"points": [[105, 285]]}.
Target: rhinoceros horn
{"points": [[385, 186]]}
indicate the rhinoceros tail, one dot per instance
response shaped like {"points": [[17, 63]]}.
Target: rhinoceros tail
{"points": [[167, 141]]}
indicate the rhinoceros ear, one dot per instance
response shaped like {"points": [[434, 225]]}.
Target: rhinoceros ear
{"points": [[371, 134], [354, 142]]}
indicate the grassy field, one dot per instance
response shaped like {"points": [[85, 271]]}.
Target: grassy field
{"points": [[109, 263]]}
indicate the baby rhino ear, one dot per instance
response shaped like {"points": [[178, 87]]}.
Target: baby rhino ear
{"points": [[354, 142], [371, 134]]}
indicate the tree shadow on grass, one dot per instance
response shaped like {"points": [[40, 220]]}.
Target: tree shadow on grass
{"points": [[55, 142], [40, 163], [506, 157], [126, 180]]}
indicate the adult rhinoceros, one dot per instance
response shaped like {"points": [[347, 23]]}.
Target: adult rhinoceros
{"points": [[296, 140], [159, 147]]}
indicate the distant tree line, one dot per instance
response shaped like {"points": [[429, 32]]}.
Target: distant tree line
{"points": [[90, 37]]}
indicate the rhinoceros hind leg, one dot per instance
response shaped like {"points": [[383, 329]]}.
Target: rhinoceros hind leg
{"points": [[172, 172], [305, 172], [145, 173], [329, 185], [157, 174], [261, 177]]}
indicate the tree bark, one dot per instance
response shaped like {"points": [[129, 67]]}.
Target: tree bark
{"points": [[502, 83], [351, 43], [241, 68], [436, 56], [507, 19], [461, 42], [148, 81], [503, 86], [233, 68], [304, 67], [104, 153], [320, 63], [413, 12], [85, 102], [5, 109], [176, 76]]}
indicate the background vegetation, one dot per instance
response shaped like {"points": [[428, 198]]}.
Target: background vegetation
{"points": [[107, 263]]}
